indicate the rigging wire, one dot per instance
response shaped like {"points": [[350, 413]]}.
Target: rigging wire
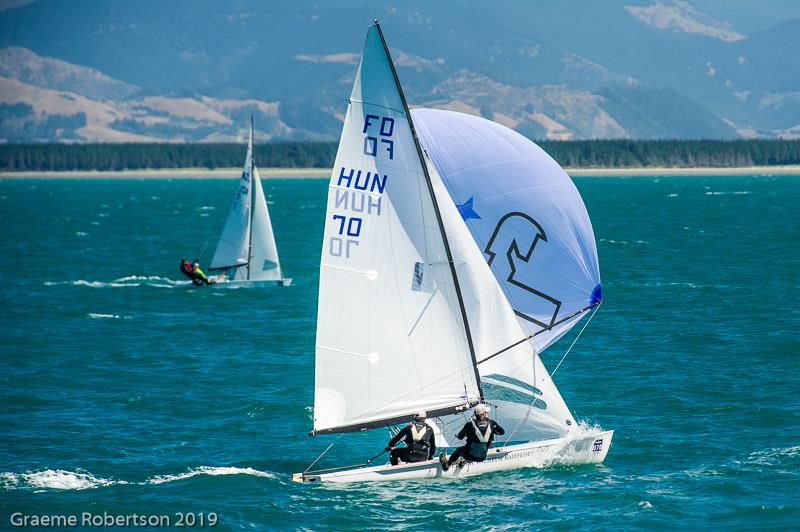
{"points": [[575, 340], [508, 439], [323, 453]]}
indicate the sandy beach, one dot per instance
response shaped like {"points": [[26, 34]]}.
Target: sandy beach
{"points": [[319, 173]]}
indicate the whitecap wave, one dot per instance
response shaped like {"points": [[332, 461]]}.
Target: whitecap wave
{"points": [[100, 284], [58, 479], [210, 471], [734, 192], [130, 278], [125, 282], [775, 457], [98, 316]]}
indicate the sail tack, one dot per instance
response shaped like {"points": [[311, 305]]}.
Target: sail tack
{"points": [[391, 338], [525, 215]]}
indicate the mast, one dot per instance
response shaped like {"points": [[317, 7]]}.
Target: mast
{"points": [[436, 210], [252, 198]]}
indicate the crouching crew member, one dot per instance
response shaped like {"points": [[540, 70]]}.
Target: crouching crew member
{"points": [[419, 439], [480, 434]]}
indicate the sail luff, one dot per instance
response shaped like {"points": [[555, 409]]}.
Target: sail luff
{"points": [[435, 208]]}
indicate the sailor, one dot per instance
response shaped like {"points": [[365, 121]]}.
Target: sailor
{"points": [[480, 433], [419, 439], [188, 270], [199, 276]]}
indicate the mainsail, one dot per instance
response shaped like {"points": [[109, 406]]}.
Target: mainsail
{"points": [[233, 248], [392, 337], [247, 247]]}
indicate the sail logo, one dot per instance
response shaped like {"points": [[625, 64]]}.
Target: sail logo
{"points": [[244, 189], [598, 445], [516, 237], [384, 125]]}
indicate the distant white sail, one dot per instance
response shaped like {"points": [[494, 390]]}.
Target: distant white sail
{"points": [[264, 261], [234, 245], [391, 338], [246, 249], [524, 213]]}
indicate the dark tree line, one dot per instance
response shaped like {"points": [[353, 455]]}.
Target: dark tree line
{"points": [[580, 153], [673, 153], [22, 157]]}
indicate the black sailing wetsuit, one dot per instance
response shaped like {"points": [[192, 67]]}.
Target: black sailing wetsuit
{"points": [[416, 450], [475, 450]]}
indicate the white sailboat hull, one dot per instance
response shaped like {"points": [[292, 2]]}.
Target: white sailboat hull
{"points": [[244, 283], [587, 449]]}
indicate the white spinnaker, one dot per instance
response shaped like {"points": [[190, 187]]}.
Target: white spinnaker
{"points": [[516, 382], [234, 244], [264, 262], [390, 334], [524, 213]]}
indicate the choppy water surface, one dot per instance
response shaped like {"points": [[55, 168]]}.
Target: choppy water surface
{"points": [[124, 391]]}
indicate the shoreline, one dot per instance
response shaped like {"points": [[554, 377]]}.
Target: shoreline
{"points": [[322, 173]]}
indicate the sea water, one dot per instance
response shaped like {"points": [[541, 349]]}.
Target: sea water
{"points": [[124, 391]]}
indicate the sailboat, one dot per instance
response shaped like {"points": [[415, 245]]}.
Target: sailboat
{"points": [[246, 253], [455, 251]]}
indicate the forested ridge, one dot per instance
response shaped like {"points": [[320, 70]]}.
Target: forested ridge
{"points": [[579, 153]]}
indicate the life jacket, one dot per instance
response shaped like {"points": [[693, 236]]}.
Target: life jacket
{"points": [[480, 448], [186, 269], [419, 436]]}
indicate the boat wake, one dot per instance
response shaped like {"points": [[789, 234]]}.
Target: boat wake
{"points": [[59, 479], [125, 282], [210, 471]]}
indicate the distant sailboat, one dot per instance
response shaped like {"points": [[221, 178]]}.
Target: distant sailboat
{"points": [[427, 300], [246, 252]]}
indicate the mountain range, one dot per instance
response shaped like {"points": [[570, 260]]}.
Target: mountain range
{"points": [[194, 70]]}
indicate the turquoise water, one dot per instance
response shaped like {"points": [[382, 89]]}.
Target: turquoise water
{"points": [[125, 392]]}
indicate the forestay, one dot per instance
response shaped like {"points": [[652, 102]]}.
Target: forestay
{"points": [[524, 213], [391, 338]]}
